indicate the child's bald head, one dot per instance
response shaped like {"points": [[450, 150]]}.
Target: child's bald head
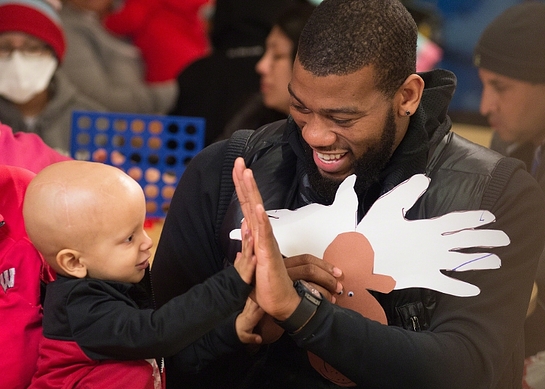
{"points": [[69, 204]]}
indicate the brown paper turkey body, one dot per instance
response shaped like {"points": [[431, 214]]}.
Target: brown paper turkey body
{"points": [[352, 252]]}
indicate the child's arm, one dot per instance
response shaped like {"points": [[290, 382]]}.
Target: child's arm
{"points": [[106, 324]]}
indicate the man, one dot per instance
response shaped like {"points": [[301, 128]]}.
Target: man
{"points": [[357, 106], [510, 56]]}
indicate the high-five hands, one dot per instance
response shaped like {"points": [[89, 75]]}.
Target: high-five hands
{"points": [[274, 290]]}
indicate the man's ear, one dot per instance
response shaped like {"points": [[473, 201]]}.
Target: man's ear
{"points": [[68, 261], [409, 95]]}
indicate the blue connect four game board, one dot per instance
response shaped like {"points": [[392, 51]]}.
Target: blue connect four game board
{"points": [[152, 149]]}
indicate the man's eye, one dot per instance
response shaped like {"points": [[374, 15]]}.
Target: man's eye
{"points": [[299, 108], [341, 122]]}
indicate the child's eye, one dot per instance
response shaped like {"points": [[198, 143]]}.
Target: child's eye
{"points": [[130, 238]]}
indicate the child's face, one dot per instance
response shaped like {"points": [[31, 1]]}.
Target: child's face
{"points": [[120, 251]]}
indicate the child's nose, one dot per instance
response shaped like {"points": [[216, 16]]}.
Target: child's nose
{"points": [[147, 243]]}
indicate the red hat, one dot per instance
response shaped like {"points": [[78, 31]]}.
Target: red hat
{"points": [[38, 18]]}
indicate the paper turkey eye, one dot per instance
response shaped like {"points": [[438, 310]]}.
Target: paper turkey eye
{"points": [[350, 294]]}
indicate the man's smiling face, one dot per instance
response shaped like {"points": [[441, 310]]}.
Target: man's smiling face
{"points": [[347, 123]]}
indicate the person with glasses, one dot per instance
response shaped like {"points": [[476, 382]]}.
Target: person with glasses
{"points": [[35, 96]]}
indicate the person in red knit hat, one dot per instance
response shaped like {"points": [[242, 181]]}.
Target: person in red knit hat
{"points": [[169, 33], [35, 95]]}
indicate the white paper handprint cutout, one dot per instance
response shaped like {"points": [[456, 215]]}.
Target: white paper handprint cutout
{"points": [[310, 229], [412, 252]]}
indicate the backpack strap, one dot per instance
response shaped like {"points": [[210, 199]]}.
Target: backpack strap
{"points": [[502, 173], [235, 148]]}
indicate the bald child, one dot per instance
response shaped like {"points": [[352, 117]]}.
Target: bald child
{"points": [[99, 328]]}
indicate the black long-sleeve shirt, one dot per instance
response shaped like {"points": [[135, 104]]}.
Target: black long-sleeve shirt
{"points": [[106, 320], [470, 342]]}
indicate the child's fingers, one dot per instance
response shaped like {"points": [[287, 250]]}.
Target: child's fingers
{"points": [[245, 261], [240, 189], [247, 240]]}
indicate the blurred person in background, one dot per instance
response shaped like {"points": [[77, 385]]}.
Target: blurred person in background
{"points": [[22, 273], [462, 22], [510, 57], [170, 34], [26, 150], [274, 69], [35, 95], [106, 68], [217, 86]]}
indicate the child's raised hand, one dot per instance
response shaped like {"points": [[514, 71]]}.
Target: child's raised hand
{"points": [[245, 261], [247, 321]]}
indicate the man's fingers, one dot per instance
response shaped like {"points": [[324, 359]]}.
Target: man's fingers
{"points": [[316, 271], [307, 259], [265, 229]]}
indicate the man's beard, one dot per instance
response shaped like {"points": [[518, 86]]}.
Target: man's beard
{"points": [[367, 167]]}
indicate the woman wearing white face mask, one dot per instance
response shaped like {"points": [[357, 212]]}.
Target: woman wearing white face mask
{"points": [[34, 94]]}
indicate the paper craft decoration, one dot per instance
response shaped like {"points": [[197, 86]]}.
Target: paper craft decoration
{"points": [[310, 229], [152, 149], [422, 249], [352, 252], [367, 256]]}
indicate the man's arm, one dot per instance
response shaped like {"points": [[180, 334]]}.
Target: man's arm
{"points": [[470, 340]]}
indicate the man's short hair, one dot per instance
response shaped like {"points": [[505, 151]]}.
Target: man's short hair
{"points": [[343, 36]]}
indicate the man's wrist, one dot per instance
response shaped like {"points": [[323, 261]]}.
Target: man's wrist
{"points": [[310, 300], [288, 310]]}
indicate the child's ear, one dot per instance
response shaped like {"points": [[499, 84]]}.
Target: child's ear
{"points": [[69, 262]]}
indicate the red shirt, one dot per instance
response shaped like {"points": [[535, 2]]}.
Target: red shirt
{"points": [[21, 270]]}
